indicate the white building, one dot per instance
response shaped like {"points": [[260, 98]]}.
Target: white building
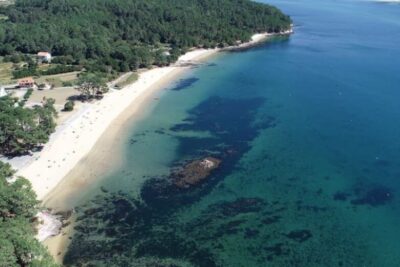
{"points": [[44, 57]]}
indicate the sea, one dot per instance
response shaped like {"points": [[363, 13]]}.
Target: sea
{"points": [[307, 128]]}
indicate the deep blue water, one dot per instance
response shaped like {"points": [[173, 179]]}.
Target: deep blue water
{"points": [[308, 131]]}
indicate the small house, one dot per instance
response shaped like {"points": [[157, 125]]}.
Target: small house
{"points": [[44, 57], [26, 83]]}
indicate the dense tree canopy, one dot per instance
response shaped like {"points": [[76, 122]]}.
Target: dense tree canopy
{"points": [[105, 35], [22, 129], [91, 86], [18, 204]]}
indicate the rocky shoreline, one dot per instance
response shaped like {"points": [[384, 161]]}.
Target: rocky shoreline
{"points": [[50, 223]]}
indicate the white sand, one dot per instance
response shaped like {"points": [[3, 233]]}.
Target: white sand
{"points": [[74, 139]]}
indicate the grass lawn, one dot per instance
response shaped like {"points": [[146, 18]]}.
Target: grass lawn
{"points": [[45, 66], [60, 80], [57, 80], [6, 72], [131, 78]]}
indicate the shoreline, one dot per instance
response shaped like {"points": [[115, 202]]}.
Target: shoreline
{"points": [[78, 152], [98, 159], [75, 138], [98, 162]]}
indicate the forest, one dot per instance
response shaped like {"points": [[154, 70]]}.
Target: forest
{"points": [[18, 205], [107, 36], [122, 35], [24, 129]]}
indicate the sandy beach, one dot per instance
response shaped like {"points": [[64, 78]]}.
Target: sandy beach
{"points": [[73, 140], [75, 137], [78, 152]]}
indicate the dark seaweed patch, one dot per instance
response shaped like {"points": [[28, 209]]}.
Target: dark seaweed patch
{"points": [[229, 228], [299, 235], [271, 220], [239, 206], [233, 224], [276, 250], [115, 227], [231, 124], [132, 141], [341, 196], [160, 131], [311, 208], [169, 245], [124, 228], [214, 220], [184, 83], [376, 196], [251, 233]]}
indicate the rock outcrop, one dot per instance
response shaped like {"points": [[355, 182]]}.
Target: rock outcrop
{"points": [[195, 172]]}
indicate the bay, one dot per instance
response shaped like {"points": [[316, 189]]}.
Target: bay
{"points": [[308, 134]]}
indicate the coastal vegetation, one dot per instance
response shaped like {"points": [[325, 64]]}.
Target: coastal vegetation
{"points": [[118, 36], [32, 70], [23, 129], [132, 77], [91, 86], [95, 40], [69, 106], [26, 96], [18, 205]]}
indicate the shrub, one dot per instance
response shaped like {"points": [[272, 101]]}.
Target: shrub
{"points": [[60, 69], [69, 106], [28, 94], [26, 97], [25, 72], [67, 84]]}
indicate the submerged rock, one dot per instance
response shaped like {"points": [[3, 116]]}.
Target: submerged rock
{"points": [[126, 227], [276, 250], [195, 172]]}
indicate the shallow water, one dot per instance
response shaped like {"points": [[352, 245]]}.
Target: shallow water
{"points": [[307, 130]]}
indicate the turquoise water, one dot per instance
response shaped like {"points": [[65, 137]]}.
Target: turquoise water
{"points": [[307, 130]]}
